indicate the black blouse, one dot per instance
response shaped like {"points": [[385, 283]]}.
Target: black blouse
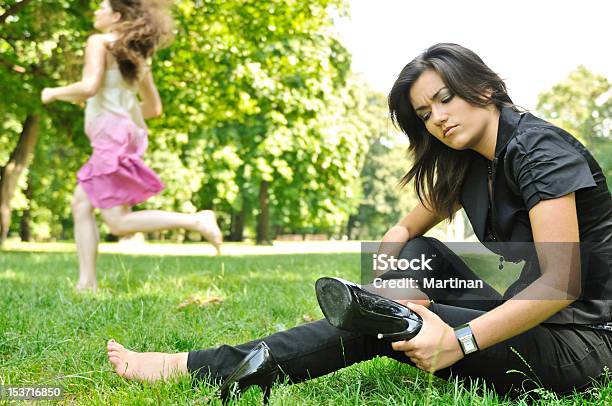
{"points": [[534, 160]]}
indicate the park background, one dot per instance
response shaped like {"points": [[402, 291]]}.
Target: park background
{"points": [[274, 111], [275, 117]]}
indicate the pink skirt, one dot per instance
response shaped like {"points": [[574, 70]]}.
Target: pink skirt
{"points": [[115, 174]]}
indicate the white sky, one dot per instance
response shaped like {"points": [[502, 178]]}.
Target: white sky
{"points": [[531, 44]]}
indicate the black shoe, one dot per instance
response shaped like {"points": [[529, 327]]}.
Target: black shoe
{"points": [[348, 307], [257, 368]]}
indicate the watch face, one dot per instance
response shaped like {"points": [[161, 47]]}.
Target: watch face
{"points": [[468, 344]]}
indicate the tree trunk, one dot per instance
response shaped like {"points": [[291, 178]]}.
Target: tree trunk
{"points": [[237, 226], [350, 226], [9, 174], [263, 220], [24, 223]]}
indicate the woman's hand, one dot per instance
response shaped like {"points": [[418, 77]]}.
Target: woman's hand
{"points": [[435, 347], [47, 95]]}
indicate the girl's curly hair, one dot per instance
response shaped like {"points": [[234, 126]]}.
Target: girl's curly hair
{"points": [[145, 26]]}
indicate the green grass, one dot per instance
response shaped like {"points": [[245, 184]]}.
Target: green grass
{"points": [[50, 335]]}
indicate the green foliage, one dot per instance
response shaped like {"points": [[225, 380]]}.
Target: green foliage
{"points": [[260, 83], [384, 202], [253, 91], [582, 105], [41, 45]]}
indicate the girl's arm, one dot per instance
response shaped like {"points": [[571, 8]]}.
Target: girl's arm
{"points": [[554, 226], [151, 104], [93, 73]]}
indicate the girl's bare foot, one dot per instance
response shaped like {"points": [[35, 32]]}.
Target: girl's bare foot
{"points": [[206, 224], [87, 286], [145, 366]]}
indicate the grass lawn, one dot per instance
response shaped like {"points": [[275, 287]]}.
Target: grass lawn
{"points": [[51, 335]]}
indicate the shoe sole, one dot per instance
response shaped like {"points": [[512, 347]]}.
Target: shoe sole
{"points": [[335, 301], [342, 311]]}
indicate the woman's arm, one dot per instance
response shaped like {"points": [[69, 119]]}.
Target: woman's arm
{"points": [[554, 226], [151, 104], [417, 222], [93, 73]]}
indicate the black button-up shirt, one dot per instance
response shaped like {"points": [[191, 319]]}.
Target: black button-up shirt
{"points": [[535, 160]]}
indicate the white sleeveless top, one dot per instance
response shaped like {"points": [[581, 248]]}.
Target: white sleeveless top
{"points": [[117, 96]]}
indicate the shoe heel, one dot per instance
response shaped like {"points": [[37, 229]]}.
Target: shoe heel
{"points": [[267, 390], [265, 384], [400, 336], [257, 368], [413, 328]]}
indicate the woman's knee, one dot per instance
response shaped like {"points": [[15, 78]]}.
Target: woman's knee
{"points": [[423, 253]]}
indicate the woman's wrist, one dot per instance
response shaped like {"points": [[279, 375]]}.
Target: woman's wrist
{"points": [[453, 345], [397, 233]]}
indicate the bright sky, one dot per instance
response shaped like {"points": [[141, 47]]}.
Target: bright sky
{"points": [[531, 44]]}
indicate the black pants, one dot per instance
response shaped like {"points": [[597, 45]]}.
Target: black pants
{"points": [[560, 358]]}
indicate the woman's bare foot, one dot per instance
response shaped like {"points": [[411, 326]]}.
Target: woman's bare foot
{"points": [[206, 224], [145, 366]]}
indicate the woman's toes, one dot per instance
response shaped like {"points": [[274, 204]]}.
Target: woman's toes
{"points": [[113, 345], [119, 364]]}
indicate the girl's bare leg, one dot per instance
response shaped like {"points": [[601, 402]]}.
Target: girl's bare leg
{"points": [[122, 221], [86, 237], [146, 366]]}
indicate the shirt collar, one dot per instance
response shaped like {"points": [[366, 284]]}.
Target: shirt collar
{"points": [[508, 123]]}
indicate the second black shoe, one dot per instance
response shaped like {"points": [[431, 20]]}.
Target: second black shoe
{"points": [[257, 368], [349, 307]]}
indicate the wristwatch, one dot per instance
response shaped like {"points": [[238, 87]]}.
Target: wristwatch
{"points": [[466, 339]]}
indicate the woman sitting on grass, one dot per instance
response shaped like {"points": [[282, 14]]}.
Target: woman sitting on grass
{"points": [[520, 180]]}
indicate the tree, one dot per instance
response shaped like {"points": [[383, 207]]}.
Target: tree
{"points": [[37, 45], [383, 202], [267, 110], [259, 107]]}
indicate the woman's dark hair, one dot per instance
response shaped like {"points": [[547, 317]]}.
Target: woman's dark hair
{"points": [[145, 26], [438, 170]]}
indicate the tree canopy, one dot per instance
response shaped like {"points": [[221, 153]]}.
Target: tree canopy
{"points": [[259, 104], [264, 122]]}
